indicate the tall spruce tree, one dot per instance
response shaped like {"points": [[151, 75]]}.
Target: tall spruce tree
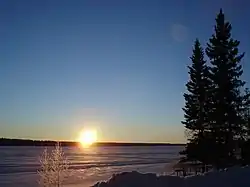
{"points": [[225, 119], [196, 103]]}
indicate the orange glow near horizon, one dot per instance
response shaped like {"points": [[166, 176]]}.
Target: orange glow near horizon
{"points": [[87, 137]]}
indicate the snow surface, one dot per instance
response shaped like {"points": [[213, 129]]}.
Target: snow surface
{"points": [[232, 177]]}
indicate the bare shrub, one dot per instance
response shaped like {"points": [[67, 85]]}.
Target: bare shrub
{"points": [[54, 167]]}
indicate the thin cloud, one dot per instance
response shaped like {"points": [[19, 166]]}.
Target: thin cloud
{"points": [[179, 32]]}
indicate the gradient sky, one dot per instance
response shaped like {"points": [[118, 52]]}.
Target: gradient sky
{"points": [[114, 65]]}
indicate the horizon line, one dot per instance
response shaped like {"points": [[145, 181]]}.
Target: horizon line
{"points": [[98, 142]]}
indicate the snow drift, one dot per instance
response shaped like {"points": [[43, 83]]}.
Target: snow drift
{"points": [[232, 177]]}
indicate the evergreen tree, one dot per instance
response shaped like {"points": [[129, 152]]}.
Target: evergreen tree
{"points": [[196, 102], [225, 118]]}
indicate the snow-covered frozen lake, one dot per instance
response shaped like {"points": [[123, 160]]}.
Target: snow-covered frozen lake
{"points": [[18, 165]]}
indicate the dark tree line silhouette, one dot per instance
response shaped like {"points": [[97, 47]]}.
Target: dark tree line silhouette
{"points": [[27, 142], [217, 109]]}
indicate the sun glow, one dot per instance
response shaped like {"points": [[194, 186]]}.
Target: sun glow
{"points": [[87, 137]]}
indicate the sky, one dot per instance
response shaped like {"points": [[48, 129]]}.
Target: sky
{"points": [[119, 67]]}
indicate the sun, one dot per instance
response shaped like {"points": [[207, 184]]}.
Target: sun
{"points": [[88, 137]]}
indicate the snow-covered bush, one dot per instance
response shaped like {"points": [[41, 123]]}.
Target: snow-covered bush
{"points": [[54, 167]]}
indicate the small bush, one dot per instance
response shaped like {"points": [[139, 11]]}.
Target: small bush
{"points": [[54, 167]]}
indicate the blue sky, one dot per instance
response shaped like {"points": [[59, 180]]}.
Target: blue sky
{"points": [[116, 66]]}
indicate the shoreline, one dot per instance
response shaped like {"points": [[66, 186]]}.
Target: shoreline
{"points": [[29, 142], [234, 177]]}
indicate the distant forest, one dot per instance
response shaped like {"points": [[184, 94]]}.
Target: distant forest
{"points": [[27, 142]]}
